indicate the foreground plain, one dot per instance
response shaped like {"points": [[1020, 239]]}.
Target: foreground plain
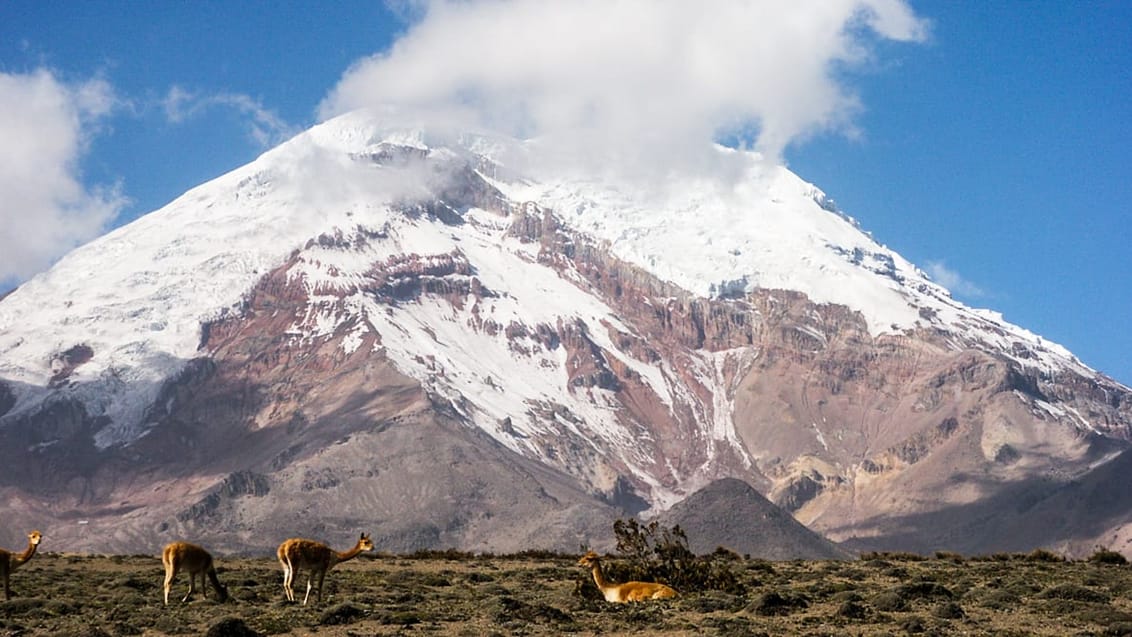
{"points": [[457, 594]]}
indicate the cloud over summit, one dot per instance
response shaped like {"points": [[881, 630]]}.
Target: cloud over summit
{"points": [[46, 124], [630, 80]]}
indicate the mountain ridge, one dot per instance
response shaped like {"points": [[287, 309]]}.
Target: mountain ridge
{"points": [[524, 310]]}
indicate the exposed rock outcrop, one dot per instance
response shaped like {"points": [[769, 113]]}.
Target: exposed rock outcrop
{"points": [[730, 513], [452, 368]]}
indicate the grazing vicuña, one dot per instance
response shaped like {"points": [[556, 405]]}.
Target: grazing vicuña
{"points": [[182, 556]]}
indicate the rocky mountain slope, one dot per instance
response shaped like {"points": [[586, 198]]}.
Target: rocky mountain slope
{"points": [[432, 338], [729, 513]]}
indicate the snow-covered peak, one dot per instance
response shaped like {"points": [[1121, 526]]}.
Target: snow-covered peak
{"points": [[137, 297], [759, 225]]}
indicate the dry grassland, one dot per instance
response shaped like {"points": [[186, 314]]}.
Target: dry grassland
{"points": [[455, 594]]}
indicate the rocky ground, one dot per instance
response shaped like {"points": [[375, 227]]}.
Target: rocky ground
{"points": [[534, 594]]}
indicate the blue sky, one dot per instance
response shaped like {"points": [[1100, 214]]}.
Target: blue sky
{"points": [[988, 142]]}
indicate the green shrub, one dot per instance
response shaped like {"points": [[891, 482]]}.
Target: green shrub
{"points": [[230, 627], [1042, 555], [536, 554], [714, 601], [435, 579], [890, 602], [346, 613], [85, 631], [401, 618], [452, 555], [1119, 629], [1074, 592], [775, 603], [477, 577], [1103, 614], [914, 625], [1105, 556], [761, 566], [949, 610], [852, 609], [925, 589], [950, 556], [728, 626], [507, 609], [661, 554], [996, 599], [899, 556]]}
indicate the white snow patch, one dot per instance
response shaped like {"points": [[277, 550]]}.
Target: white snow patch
{"points": [[138, 295]]}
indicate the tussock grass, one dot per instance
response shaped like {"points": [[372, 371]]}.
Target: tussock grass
{"points": [[447, 593]]}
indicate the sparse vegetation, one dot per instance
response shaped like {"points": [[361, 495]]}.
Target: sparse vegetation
{"points": [[1105, 556], [463, 594]]}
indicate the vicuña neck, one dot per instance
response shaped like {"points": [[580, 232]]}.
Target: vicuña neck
{"points": [[599, 579], [27, 554], [348, 555]]}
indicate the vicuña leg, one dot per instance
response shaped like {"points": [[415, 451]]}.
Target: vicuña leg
{"points": [[288, 574]]}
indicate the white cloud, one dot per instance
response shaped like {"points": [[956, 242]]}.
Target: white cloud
{"points": [[952, 280], [45, 209], [265, 128], [649, 82]]}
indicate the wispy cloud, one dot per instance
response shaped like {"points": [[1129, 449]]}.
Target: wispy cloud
{"points": [[646, 81], [46, 125], [952, 280], [265, 128]]}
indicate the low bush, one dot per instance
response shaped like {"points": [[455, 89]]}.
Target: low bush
{"points": [[1042, 555], [775, 603], [661, 554], [231, 627], [341, 614], [508, 609], [1105, 556], [949, 610], [950, 557], [896, 556], [1074, 592], [994, 599], [852, 609]]}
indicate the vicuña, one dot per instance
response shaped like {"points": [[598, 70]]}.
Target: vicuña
{"points": [[182, 556], [627, 592], [296, 554], [11, 561]]}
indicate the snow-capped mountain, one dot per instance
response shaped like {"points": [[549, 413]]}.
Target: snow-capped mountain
{"points": [[612, 344]]}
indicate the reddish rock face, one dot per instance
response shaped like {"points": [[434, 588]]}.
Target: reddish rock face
{"points": [[848, 430], [294, 419]]}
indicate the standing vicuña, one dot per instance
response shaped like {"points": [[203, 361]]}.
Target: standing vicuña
{"points": [[10, 561], [182, 556], [627, 592], [296, 554]]}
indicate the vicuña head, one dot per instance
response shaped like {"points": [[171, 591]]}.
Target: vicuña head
{"points": [[627, 592], [10, 561], [182, 556], [296, 554]]}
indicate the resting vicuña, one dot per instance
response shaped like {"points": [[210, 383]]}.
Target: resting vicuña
{"points": [[627, 592], [317, 558]]}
